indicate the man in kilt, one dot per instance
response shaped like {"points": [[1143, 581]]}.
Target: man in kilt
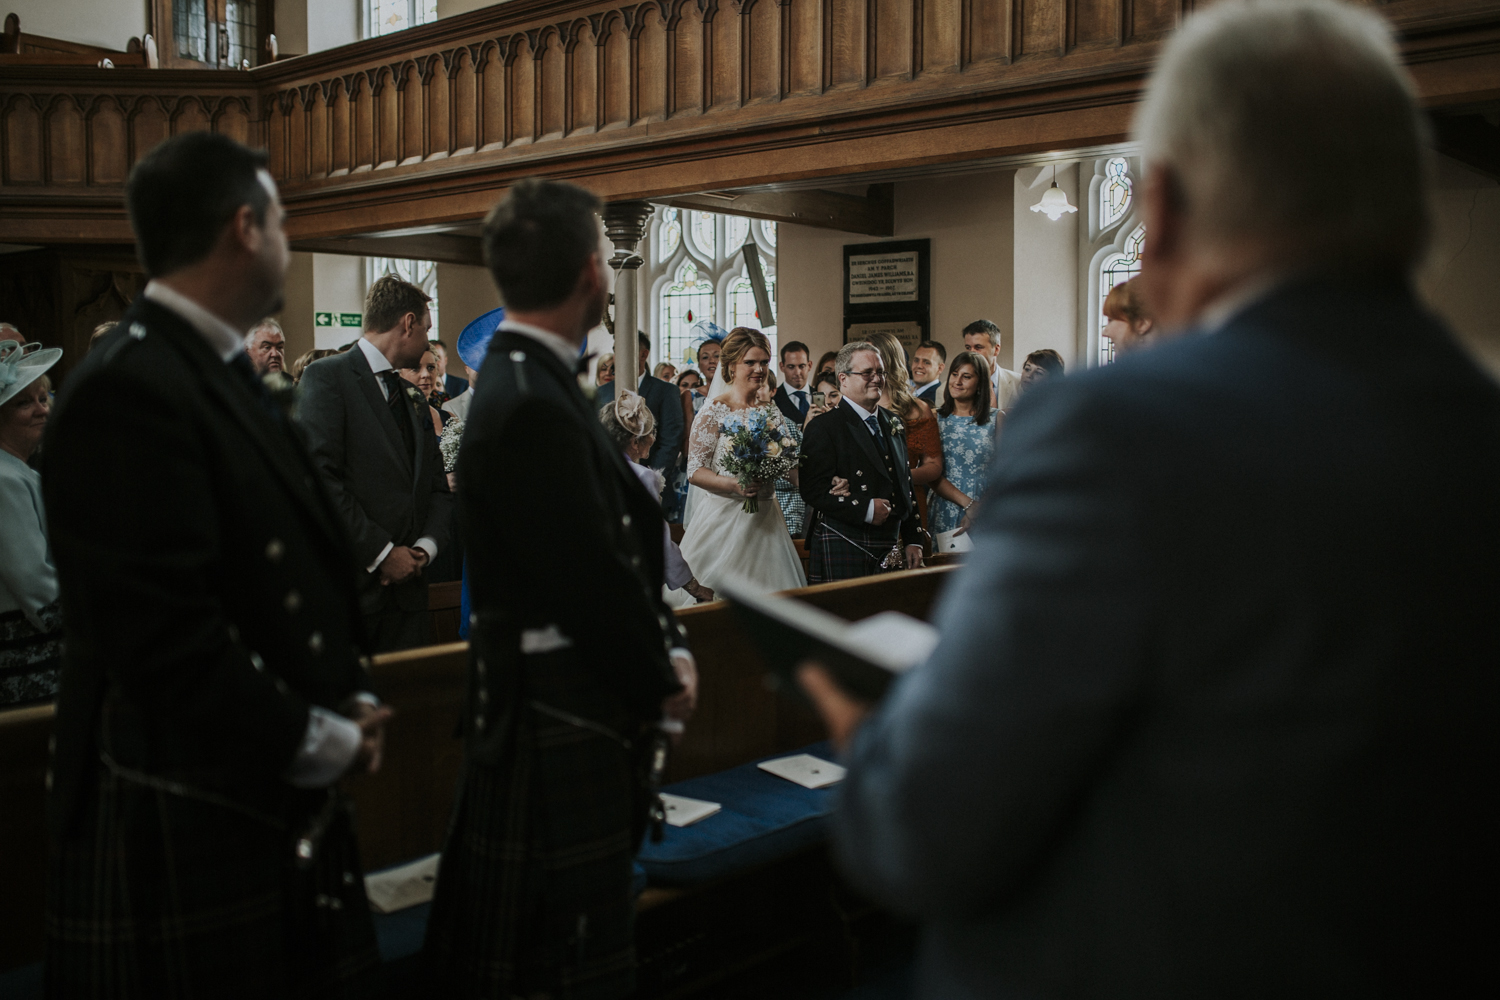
{"points": [[576, 662], [213, 691], [871, 524]]}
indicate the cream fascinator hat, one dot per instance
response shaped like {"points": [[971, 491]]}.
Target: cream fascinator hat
{"points": [[23, 364], [634, 415]]}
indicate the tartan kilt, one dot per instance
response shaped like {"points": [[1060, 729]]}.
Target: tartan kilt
{"points": [[534, 891], [836, 558], [155, 895]]}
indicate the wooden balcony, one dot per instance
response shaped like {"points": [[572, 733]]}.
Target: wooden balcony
{"points": [[423, 129]]}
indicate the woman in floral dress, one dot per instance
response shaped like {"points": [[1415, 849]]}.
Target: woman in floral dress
{"points": [[968, 434]]}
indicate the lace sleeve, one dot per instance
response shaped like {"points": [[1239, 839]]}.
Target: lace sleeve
{"points": [[704, 440]]}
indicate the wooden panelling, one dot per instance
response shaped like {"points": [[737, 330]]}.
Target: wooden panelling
{"points": [[641, 100]]}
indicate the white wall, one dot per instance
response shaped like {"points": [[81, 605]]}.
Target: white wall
{"points": [[464, 294], [447, 8], [107, 23], [1459, 279], [1046, 267], [306, 26], [970, 222], [338, 287]]}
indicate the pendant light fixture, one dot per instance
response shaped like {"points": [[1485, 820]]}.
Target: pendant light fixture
{"points": [[1054, 202]]}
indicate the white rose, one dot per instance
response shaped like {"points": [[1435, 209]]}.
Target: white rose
{"points": [[773, 449]]}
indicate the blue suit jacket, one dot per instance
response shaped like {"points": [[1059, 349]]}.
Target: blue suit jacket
{"points": [[664, 400], [1214, 710], [454, 386]]}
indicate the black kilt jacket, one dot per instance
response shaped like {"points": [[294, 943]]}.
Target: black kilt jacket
{"points": [[209, 601], [570, 644]]}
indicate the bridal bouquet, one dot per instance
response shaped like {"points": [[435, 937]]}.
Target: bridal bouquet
{"points": [[760, 449]]}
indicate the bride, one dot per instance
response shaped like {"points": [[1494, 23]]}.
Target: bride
{"points": [[722, 541]]}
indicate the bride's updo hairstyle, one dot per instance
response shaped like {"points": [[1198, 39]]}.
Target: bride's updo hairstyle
{"points": [[737, 345]]}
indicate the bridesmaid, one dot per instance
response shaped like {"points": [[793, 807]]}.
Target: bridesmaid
{"points": [[968, 442]]}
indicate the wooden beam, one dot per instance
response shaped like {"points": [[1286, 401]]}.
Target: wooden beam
{"points": [[872, 214], [445, 248]]}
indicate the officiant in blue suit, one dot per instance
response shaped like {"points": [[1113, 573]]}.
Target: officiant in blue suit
{"points": [[665, 403], [565, 694], [1214, 708]]}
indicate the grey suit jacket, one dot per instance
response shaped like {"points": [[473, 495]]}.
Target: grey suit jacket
{"points": [[382, 494], [665, 403]]}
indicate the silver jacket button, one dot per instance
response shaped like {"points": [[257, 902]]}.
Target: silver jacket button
{"points": [[315, 642], [275, 550], [292, 602]]}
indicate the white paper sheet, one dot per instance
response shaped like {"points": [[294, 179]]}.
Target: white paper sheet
{"points": [[805, 769], [893, 639], [683, 811], [405, 886]]}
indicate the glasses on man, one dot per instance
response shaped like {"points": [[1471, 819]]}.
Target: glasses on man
{"points": [[871, 374]]}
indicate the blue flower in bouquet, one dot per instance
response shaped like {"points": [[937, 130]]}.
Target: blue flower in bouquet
{"points": [[761, 450]]}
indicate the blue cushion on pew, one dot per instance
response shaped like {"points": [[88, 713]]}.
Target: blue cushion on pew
{"points": [[764, 818]]}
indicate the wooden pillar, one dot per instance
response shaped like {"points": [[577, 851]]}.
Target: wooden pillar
{"points": [[625, 225]]}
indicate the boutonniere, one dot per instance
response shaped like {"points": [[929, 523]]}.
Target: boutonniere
{"points": [[414, 394], [898, 426]]}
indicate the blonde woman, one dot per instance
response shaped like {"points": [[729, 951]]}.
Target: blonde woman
{"points": [[924, 447], [723, 541]]}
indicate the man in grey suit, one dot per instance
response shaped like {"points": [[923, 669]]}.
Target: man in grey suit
{"points": [[371, 437], [1214, 708], [665, 403]]}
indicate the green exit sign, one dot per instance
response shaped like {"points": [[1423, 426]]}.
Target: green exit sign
{"points": [[322, 319], [351, 319]]}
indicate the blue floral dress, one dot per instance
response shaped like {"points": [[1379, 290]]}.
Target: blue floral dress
{"points": [[967, 452]]}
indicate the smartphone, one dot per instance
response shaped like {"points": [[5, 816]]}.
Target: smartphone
{"points": [[819, 398]]}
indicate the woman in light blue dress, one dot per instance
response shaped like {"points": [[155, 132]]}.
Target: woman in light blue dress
{"points": [[966, 424]]}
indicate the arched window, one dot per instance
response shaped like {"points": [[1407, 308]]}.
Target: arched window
{"points": [[1116, 269], [1114, 193], [669, 235], [736, 232], [385, 16], [742, 308], [768, 233], [683, 302], [702, 227], [422, 273]]}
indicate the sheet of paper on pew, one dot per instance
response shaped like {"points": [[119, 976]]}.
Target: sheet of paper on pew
{"points": [[406, 885], [683, 811], [864, 657], [951, 541], [805, 769]]}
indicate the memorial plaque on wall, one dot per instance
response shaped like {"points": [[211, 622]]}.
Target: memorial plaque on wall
{"points": [[886, 288]]}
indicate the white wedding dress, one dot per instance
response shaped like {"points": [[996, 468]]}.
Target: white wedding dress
{"points": [[722, 542]]}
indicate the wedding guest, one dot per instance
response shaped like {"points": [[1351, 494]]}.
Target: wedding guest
{"points": [[365, 431], [1214, 702], [424, 377], [924, 447], [665, 371], [828, 384], [968, 436], [448, 386], [793, 398], [793, 507], [1040, 366], [214, 692], [927, 363], [691, 381], [826, 363], [30, 613], [98, 332], [300, 364], [983, 337], [265, 346], [876, 526], [688, 385], [605, 373], [708, 360], [665, 401], [633, 428], [1130, 327]]}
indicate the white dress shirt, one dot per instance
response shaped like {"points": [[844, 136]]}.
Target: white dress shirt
{"points": [[800, 398], [864, 415], [330, 742], [380, 363], [566, 353]]}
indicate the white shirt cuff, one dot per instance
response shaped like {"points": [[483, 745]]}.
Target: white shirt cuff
{"points": [[870, 513], [428, 546], [380, 558], [329, 746]]}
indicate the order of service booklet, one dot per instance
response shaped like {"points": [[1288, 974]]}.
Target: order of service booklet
{"points": [[864, 657]]}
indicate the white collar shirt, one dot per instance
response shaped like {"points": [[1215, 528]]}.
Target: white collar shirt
{"points": [[863, 414], [223, 338], [566, 352], [378, 363]]}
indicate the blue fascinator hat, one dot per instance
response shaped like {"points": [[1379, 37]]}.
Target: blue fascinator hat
{"points": [[474, 342]]}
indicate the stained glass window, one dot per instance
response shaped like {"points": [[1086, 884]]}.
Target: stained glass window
{"points": [[684, 302], [742, 307], [768, 233], [385, 16], [239, 19], [190, 30], [736, 232], [702, 228], [422, 273], [669, 233], [1114, 193], [1116, 269]]}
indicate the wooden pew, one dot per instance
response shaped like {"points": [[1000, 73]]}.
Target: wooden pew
{"points": [[443, 601]]}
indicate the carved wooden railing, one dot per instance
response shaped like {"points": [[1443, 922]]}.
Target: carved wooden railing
{"points": [[640, 100]]}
